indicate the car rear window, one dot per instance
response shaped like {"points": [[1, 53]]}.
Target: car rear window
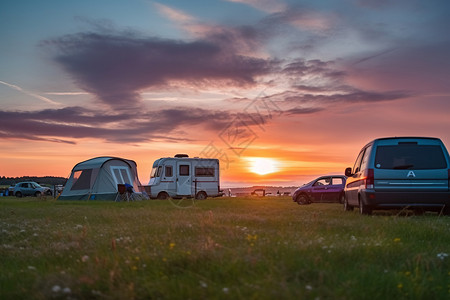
{"points": [[410, 156]]}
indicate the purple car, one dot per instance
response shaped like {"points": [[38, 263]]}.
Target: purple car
{"points": [[323, 189]]}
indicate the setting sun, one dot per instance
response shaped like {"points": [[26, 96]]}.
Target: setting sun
{"points": [[262, 166]]}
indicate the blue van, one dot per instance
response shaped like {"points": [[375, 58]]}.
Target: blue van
{"points": [[399, 173]]}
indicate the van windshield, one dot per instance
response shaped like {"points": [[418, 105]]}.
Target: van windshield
{"points": [[410, 156]]}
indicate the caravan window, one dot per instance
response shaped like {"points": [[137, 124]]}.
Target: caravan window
{"points": [[121, 175], [168, 172], [184, 170], [81, 180], [204, 172], [156, 172]]}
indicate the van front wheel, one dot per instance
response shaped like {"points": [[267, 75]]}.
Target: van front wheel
{"points": [[201, 196]]}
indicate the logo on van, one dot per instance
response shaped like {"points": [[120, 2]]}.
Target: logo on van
{"points": [[411, 174]]}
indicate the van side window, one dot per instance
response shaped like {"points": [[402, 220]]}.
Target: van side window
{"points": [[184, 170], [357, 166], [168, 171], [204, 172], [365, 159]]}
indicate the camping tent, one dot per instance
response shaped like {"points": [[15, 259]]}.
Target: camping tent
{"points": [[97, 179]]}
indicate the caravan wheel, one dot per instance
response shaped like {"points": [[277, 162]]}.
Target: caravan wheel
{"points": [[201, 196], [163, 196]]}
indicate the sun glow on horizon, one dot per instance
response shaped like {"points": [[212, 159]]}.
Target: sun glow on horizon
{"points": [[262, 165]]}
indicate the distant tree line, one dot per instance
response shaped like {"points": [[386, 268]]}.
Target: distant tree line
{"points": [[48, 180]]}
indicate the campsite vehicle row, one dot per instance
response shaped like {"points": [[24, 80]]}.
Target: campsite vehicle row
{"points": [[180, 176]]}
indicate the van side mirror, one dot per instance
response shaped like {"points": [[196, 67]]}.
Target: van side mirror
{"points": [[348, 172]]}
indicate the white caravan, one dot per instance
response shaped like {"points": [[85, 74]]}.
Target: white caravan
{"points": [[181, 176]]}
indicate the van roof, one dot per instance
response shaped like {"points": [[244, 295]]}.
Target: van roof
{"points": [[404, 138], [407, 137]]}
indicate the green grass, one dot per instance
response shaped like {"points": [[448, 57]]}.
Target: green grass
{"points": [[223, 248]]}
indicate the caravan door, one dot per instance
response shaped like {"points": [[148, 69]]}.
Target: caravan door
{"points": [[184, 179]]}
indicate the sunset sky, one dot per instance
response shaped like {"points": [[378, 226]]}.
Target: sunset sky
{"points": [[302, 84]]}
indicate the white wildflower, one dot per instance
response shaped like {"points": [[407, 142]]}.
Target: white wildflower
{"points": [[203, 284], [442, 255], [225, 290], [85, 258], [67, 290], [56, 289]]}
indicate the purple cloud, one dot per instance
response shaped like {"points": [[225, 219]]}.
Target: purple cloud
{"points": [[116, 67], [65, 125], [303, 110]]}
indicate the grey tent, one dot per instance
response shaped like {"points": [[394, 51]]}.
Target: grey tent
{"points": [[98, 178]]}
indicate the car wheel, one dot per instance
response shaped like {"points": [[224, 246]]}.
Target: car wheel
{"points": [[48, 193], [347, 207], [18, 194], [364, 209], [302, 199], [201, 196], [37, 194], [163, 196]]}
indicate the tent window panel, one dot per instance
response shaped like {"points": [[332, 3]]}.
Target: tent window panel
{"points": [[81, 180], [121, 175], [117, 175], [125, 176]]}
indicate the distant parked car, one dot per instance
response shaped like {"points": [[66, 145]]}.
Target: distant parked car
{"points": [[30, 188], [323, 189], [398, 173]]}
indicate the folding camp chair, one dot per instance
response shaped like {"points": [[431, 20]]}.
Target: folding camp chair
{"points": [[122, 193]]}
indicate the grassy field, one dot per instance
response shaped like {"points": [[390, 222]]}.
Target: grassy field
{"points": [[223, 248]]}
